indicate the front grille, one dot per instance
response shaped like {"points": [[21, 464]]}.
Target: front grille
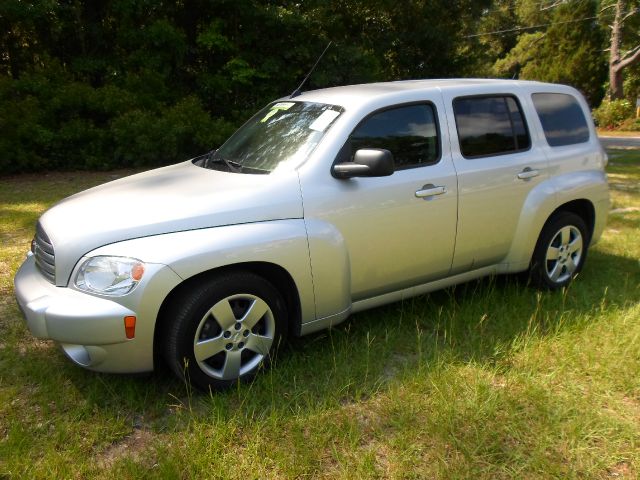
{"points": [[45, 256]]}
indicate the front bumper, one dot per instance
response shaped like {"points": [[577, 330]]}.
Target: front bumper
{"points": [[90, 329]]}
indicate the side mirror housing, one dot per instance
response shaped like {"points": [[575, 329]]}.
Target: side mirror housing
{"points": [[367, 162]]}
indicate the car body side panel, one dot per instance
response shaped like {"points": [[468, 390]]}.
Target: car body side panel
{"points": [[491, 196], [391, 235], [394, 239], [588, 185], [575, 172], [331, 268], [281, 242]]}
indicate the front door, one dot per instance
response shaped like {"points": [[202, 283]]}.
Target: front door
{"points": [[400, 230]]}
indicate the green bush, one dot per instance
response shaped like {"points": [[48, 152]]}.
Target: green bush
{"points": [[143, 137], [631, 125], [612, 113], [50, 122]]}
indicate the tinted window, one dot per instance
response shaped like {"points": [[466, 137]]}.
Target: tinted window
{"points": [[409, 133], [490, 126], [562, 119], [519, 128]]}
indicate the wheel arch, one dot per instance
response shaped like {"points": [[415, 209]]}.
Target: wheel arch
{"points": [[564, 267], [275, 274], [582, 207], [532, 222]]}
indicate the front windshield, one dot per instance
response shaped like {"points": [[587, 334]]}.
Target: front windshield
{"points": [[281, 133]]}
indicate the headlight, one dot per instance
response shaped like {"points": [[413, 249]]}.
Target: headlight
{"points": [[109, 275]]}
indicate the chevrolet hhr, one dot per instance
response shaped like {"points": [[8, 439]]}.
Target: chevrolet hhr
{"points": [[321, 205]]}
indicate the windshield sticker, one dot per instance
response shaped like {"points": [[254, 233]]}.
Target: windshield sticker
{"points": [[269, 114], [324, 120], [284, 105], [276, 108]]}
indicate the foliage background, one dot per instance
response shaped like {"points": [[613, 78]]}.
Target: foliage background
{"points": [[130, 83]]}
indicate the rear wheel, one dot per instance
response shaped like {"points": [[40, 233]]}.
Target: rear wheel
{"points": [[560, 252], [224, 330]]}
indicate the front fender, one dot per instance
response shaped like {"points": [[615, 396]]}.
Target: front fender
{"points": [[281, 242], [331, 270]]}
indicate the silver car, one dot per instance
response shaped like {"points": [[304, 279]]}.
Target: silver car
{"points": [[322, 205]]}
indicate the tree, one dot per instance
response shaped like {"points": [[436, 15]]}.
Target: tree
{"points": [[558, 42], [86, 84], [619, 60], [493, 39]]}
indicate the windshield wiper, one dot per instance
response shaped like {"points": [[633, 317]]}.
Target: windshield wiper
{"points": [[232, 165], [257, 170], [213, 157]]}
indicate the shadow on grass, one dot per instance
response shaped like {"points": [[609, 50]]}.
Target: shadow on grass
{"points": [[368, 353]]}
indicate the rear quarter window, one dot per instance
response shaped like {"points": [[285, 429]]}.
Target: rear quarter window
{"points": [[562, 118]]}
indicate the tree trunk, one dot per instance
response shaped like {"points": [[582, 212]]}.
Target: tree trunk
{"points": [[616, 91], [617, 61], [615, 72]]}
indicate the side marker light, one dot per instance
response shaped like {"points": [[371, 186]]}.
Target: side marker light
{"points": [[130, 326]]}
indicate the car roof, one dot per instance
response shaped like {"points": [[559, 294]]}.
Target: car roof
{"points": [[352, 95]]}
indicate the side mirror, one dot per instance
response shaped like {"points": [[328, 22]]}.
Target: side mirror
{"points": [[367, 162]]}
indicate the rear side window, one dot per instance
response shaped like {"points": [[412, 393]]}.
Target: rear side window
{"points": [[490, 125], [409, 132], [562, 118]]}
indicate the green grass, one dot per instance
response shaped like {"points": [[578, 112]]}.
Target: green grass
{"points": [[490, 379], [617, 133]]}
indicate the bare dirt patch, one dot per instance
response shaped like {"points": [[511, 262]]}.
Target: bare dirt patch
{"points": [[134, 446], [622, 469]]}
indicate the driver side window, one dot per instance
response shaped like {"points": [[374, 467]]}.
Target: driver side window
{"points": [[408, 132]]}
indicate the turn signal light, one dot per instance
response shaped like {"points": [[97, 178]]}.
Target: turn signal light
{"points": [[137, 271], [130, 326]]}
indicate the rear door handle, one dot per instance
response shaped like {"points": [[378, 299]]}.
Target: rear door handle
{"points": [[528, 173], [430, 191]]}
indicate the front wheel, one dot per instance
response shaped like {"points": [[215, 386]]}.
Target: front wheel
{"points": [[224, 330], [560, 252]]}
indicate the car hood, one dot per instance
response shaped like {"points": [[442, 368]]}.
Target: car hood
{"points": [[170, 199]]}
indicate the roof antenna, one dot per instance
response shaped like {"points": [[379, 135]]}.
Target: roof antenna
{"points": [[297, 91]]}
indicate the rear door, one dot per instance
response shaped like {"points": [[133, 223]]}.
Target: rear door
{"points": [[498, 165]]}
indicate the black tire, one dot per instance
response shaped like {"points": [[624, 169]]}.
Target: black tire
{"points": [[224, 330], [566, 235]]}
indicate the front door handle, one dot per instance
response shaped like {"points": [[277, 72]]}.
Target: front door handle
{"points": [[528, 173], [430, 190]]}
